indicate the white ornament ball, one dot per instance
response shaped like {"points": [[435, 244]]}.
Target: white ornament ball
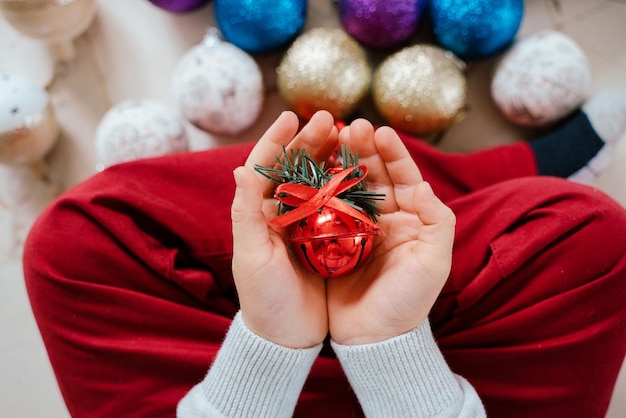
{"points": [[541, 79], [28, 127], [56, 22], [218, 87], [137, 129]]}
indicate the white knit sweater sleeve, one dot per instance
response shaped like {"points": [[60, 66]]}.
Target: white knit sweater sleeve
{"points": [[407, 376], [250, 377]]}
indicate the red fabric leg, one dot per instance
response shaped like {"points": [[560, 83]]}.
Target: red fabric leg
{"points": [[129, 278], [533, 314]]}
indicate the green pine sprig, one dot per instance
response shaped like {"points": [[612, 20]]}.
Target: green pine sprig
{"points": [[296, 166]]}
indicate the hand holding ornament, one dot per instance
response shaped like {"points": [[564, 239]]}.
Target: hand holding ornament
{"points": [[391, 294], [410, 263], [280, 300]]}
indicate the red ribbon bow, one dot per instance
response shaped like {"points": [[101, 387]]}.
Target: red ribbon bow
{"points": [[307, 199]]}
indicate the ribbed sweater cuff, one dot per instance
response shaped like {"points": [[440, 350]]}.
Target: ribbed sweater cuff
{"points": [[253, 377], [405, 376]]}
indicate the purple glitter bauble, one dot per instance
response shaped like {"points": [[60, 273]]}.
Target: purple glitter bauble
{"points": [[381, 23], [179, 6]]}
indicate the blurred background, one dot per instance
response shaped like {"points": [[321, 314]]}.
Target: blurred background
{"points": [[80, 81]]}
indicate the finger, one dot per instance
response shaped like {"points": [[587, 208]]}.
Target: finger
{"points": [[438, 219], [326, 152], [318, 137], [344, 135], [279, 134], [400, 167], [360, 140], [250, 230], [343, 138]]}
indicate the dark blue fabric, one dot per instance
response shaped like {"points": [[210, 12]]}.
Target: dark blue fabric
{"points": [[567, 148]]}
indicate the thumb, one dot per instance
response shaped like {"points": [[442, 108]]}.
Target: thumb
{"points": [[249, 224]]}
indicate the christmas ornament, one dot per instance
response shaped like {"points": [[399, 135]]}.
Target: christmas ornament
{"points": [[218, 86], [420, 89], [541, 79], [136, 129], [56, 22], [179, 6], [260, 25], [28, 127], [330, 215], [24, 56], [474, 29], [324, 69], [381, 23]]}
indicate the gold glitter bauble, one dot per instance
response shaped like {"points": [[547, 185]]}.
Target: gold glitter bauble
{"points": [[420, 89], [324, 69]]}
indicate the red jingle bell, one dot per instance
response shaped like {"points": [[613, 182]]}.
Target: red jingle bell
{"points": [[331, 243], [330, 215]]}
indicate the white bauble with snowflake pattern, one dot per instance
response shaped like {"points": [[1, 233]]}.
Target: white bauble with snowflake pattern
{"points": [[28, 126], [541, 79], [218, 87], [138, 129]]}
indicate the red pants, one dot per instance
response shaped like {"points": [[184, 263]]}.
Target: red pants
{"points": [[129, 279]]}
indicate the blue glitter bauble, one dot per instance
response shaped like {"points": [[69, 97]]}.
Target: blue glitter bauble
{"points": [[474, 29], [260, 25]]}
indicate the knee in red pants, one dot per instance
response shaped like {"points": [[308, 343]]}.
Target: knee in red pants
{"points": [[533, 313], [129, 279]]}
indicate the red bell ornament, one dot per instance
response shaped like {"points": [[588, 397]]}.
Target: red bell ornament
{"points": [[329, 214], [331, 243]]}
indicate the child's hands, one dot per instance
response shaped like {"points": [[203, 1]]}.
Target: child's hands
{"points": [[391, 294]]}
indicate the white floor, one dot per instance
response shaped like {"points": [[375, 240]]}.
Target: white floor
{"points": [[129, 53]]}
